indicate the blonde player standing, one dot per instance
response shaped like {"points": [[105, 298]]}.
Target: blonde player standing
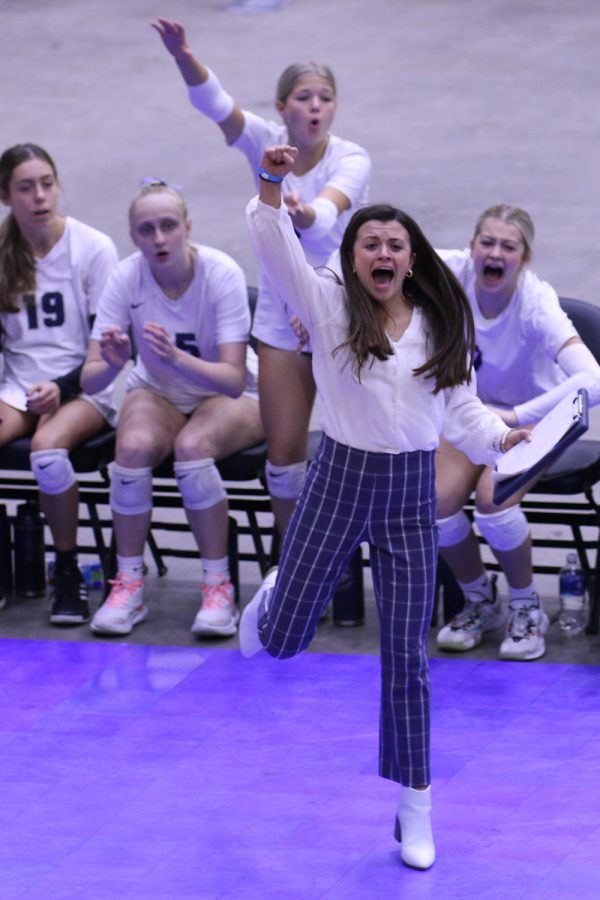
{"points": [[328, 181]]}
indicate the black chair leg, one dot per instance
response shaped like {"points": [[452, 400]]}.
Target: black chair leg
{"points": [[156, 554], [105, 554], [593, 625], [452, 597], [109, 566], [233, 556], [261, 556], [275, 548]]}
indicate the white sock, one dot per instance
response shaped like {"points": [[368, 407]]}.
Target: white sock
{"points": [[526, 596], [132, 566], [478, 591], [215, 571]]}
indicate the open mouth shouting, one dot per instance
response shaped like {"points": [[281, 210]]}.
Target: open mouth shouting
{"points": [[493, 272], [499, 254], [382, 275]]}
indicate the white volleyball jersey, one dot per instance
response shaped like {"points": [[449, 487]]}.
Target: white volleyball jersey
{"points": [[345, 166], [48, 336], [516, 351], [213, 311]]}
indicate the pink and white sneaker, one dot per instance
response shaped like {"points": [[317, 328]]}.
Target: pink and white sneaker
{"points": [[218, 614], [123, 608]]}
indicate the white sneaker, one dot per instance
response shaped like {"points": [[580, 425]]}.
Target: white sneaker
{"points": [[465, 630], [525, 633], [218, 614], [250, 642], [123, 608]]}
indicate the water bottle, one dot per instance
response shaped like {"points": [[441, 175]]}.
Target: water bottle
{"points": [[572, 617], [30, 569], [6, 568], [93, 575]]}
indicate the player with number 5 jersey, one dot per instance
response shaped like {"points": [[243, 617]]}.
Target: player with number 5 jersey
{"points": [[192, 393]]}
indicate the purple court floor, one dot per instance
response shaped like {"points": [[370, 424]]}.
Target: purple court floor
{"points": [[132, 771]]}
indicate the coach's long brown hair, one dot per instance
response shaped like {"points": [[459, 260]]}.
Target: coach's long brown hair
{"points": [[433, 289], [17, 262]]}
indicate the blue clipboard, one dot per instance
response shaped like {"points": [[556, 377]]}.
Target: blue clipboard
{"points": [[507, 486]]}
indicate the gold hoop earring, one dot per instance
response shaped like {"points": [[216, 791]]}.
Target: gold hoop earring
{"points": [[409, 274]]}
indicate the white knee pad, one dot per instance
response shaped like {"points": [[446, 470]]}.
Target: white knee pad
{"points": [[53, 470], [199, 482], [503, 530], [285, 482], [130, 489], [453, 529]]}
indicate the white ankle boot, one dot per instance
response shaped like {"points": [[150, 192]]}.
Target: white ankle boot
{"points": [[413, 828]]}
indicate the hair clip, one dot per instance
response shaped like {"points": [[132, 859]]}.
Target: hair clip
{"points": [[159, 182]]}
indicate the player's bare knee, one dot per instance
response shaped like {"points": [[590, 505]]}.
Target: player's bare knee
{"points": [[192, 447], [134, 450], [44, 439]]}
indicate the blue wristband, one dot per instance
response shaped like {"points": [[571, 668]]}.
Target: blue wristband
{"points": [[267, 176]]}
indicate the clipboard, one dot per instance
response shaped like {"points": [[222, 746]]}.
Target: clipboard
{"points": [[560, 428]]}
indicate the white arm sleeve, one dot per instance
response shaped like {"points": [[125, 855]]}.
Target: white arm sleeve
{"points": [[326, 214], [577, 357], [211, 98], [584, 372], [280, 257]]}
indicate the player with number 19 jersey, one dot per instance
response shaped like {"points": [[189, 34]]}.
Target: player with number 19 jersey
{"points": [[48, 336]]}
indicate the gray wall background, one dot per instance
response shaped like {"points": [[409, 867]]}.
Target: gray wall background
{"points": [[461, 103]]}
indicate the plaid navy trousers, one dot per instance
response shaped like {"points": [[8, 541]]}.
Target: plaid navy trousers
{"points": [[351, 496]]}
